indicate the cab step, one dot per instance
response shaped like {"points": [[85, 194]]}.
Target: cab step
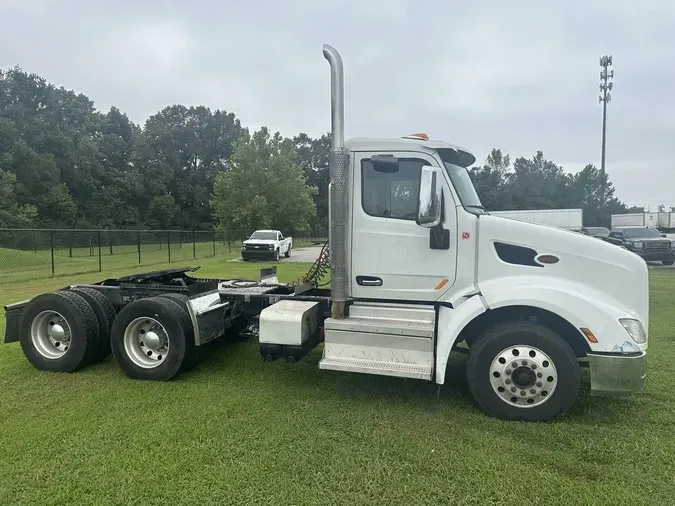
{"points": [[385, 346], [393, 311], [391, 326], [398, 369]]}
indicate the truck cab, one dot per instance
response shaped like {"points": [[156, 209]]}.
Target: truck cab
{"points": [[429, 270]]}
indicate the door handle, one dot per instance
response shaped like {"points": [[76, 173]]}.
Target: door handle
{"points": [[368, 281]]}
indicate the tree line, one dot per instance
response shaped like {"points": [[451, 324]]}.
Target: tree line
{"points": [[63, 164]]}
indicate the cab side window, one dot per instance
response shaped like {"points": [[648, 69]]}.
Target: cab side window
{"points": [[393, 195]]}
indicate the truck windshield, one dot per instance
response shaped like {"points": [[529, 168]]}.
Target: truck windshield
{"points": [[264, 236], [641, 233], [462, 182]]}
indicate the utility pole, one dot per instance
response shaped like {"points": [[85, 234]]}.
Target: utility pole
{"points": [[606, 85]]}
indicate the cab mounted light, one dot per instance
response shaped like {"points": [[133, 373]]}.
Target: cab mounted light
{"points": [[419, 136]]}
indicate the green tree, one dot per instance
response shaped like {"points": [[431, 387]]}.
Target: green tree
{"points": [[491, 182], [313, 155], [184, 149], [264, 188]]}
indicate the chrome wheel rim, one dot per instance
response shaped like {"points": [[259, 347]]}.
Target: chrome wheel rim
{"points": [[523, 376], [50, 334], [146, 342]]}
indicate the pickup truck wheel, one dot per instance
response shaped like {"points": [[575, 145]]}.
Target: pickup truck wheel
{"points": [[105, 316], [276, 255], [668, 262], [58, 331], [151, 338], [288, 253], [523, 371]]}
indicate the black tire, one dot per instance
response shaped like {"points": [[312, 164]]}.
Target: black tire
{"points": [[191, 352], [500, 337], [179, 330], [276, 255], [105, 315], [668, 262], [288, 253], [83, 324]]}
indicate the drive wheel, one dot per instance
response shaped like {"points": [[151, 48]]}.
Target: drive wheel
{"points": [[105, 315], [523, 371], [151, 338], [58, 332], [288, 253], [191, 352], [276, 255]]}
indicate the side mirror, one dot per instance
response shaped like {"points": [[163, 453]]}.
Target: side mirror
{"points": [[387, 164], [429, 211], [664, 235]]}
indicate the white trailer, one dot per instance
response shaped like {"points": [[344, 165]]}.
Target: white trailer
{"points": [[666, 220], [635, 220], [571, 219], [418, 268]]}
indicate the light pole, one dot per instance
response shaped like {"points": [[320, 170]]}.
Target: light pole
{"points": [[606, 85]]}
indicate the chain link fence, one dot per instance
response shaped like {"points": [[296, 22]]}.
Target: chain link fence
{"points": [[33, 254]]}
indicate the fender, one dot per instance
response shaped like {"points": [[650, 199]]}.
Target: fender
{"points": [[450, 323], [579, 304]]}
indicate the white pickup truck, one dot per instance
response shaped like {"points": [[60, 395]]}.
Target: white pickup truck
{"points": [[266, 244]]}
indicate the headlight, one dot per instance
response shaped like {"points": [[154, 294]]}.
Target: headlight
{"points": [[634, 329], [636, 245]]}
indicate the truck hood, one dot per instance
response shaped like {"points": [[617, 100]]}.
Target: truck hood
{"points": [[259, 242], [617, 276]]}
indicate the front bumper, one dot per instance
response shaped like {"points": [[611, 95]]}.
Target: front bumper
{"points": [[257, 253], [654, 256], [657, 257], [617, 374]]}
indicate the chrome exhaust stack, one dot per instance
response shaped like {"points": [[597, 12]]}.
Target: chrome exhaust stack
{"points": [[337, 189]]}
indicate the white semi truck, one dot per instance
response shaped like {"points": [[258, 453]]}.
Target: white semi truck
{"points": [[418, 269]]}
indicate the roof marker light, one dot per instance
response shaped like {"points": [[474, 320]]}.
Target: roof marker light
{"points": [[419, 135]]}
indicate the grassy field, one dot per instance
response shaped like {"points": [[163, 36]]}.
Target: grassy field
{"points": [[34, 266], [239, 431]]}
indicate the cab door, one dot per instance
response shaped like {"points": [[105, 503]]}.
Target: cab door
{"points": [[392, 256]]}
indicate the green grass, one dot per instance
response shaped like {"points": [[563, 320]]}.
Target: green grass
{"points": [[236, 430], [34, 266]]}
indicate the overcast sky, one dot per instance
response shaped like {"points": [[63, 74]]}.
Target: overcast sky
{"points": [[521, 76]]}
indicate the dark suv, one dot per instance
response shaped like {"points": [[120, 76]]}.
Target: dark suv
{"points": [[647, 242]]}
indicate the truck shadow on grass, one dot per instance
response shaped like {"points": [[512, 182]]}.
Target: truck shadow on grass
{"points": [[305, 380]]}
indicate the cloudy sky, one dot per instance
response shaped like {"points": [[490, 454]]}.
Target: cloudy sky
{"points": [[521, 76]]}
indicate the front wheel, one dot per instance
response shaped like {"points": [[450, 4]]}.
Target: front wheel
{"points": [[523, 371], [276, 255]]}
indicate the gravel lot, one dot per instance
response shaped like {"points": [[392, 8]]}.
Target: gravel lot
{"points": [[297, 255]]}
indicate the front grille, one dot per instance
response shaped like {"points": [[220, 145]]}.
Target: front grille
{"points": [[656, 246]]}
